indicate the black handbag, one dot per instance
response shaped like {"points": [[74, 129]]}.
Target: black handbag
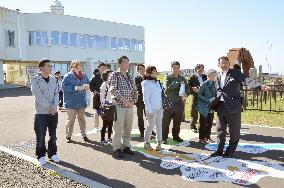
{"points": [[213, 105], [166, 102], [108, 111]]}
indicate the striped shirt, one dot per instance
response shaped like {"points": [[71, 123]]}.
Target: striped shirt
{"points": [[122, 87]]}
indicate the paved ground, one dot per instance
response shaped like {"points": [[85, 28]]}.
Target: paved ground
{"points": [[95, 161]]}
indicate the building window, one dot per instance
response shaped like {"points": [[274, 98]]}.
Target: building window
{"points": [[136, 45], [105, 42], [44, 38], [83, 41], [141, 46], [64, 39], [133, 45], [62, 67], [120, 44], [99, 42], [90, 41], [74, 39], [54, 38], [31, 38], [126, 43], [38, 38], [10, 38], [113, 43]]}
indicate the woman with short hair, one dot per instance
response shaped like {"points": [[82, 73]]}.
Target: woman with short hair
{"points": [[152, 95], [75, 84], [207, 93]]}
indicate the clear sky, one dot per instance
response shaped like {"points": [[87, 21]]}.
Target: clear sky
{"points": [[189, 31]]}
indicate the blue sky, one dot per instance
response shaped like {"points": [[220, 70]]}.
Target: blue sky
{"points": [[190, 31]]}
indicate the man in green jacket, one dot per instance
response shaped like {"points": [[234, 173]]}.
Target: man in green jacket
{"points": [[172, 86]]}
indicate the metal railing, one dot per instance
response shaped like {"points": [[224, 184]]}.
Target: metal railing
{"points": [[271, 100]]}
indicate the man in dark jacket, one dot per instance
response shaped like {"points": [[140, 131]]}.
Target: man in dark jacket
{"points": [[229, 108], [194, 83], [140, 103], [95, 85]]}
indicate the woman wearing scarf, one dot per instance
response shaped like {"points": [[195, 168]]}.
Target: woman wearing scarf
{"points": [[75, 84], [206, 94]]}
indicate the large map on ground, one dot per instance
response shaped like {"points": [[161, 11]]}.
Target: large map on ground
{"points": [[200, 167]]}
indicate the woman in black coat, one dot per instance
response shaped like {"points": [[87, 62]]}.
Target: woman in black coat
{"points": [[95, 85]]}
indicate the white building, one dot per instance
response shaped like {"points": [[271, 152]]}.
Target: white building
{"points": [[28, 37]]}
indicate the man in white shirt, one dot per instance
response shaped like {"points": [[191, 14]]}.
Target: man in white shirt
{"points": [[229, 108]]}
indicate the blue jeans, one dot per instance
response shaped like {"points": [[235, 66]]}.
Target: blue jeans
{"points": [[41, 123]]}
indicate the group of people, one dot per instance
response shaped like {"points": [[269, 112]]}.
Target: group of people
{"points": [[160, 103]]}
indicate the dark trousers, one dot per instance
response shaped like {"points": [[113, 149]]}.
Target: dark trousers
{"points": [[183, 113], [140, 115], [106, 125], [60, 99], [174, 113], [233, 121], [41, 123], [193, 112], [205, 125]]}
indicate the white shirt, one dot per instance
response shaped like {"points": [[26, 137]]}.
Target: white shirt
{"points": [[152, 95], [103, 89], [200, 80], [222, 81]]}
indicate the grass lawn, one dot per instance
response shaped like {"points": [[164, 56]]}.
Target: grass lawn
{"points": [[253, 117]]}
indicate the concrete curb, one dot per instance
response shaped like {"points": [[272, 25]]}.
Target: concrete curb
{"points": [[58, 170]]}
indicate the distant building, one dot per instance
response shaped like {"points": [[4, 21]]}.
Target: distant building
{"points": [[29, 37], [187, 72]]}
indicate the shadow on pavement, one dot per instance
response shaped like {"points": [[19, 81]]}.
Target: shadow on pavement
{"points": [[96, 177], [149, 164], [17, 92]]}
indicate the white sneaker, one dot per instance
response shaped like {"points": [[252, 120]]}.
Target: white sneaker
{"points": [[55, 159], [42, 161]]}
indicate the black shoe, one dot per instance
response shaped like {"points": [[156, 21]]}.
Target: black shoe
{"points": [[128, 151], [216, 154], [86, 139], [164, 141], [203, 142], [209, 140], [68, 140], [117, 154], [153, 133], [178, 139], [228, 155]]}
